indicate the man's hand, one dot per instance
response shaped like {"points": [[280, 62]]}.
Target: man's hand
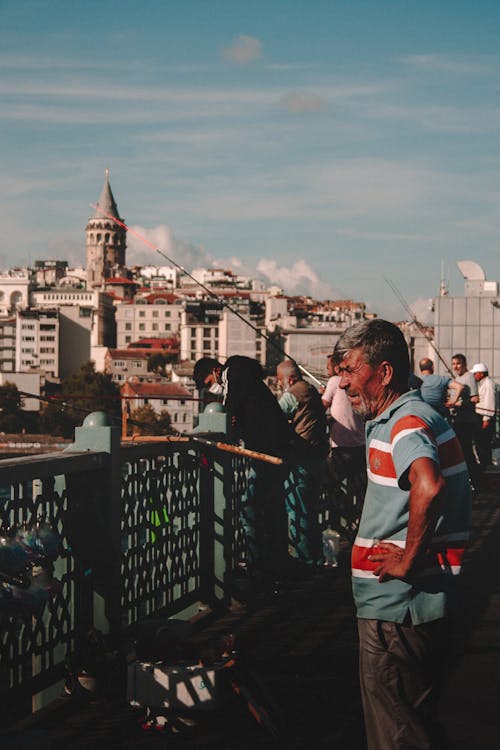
{"points": [[391, 562], [486, 424]]}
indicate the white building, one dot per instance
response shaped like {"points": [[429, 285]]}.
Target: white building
{"points": [[37, 341], [14, 290], [8, 344], [470, 325], [156, 316], [171, 397]]}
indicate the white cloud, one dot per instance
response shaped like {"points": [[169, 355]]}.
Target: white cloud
{"points": [[143, 245], [444, 64], [243, 49], [300, 278], [422, 310], [303, 101]]}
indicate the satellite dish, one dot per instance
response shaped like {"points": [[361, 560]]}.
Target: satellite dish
{"points": [[471, 270]]}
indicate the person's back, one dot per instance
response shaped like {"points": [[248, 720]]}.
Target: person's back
{"points": [[440, 391], [309, 419], [258, 419], [434, 390]]}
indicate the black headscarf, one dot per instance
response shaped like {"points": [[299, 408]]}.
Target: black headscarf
{"points": [[257, 416]]}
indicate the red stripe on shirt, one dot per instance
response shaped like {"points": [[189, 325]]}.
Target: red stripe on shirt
{"points": [[381, 463], [450, 453], [410, 422], [451, 556]]}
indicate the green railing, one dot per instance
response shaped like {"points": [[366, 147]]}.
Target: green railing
{"points": [[146, 530]]}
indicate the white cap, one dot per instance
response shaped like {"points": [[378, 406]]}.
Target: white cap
{"points": [[479, 367]]}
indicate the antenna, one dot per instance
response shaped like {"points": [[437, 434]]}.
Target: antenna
{"points": [[443, 286], [415, 320]]}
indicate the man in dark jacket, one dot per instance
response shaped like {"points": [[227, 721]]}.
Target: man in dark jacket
{"points": [[301, 403]]}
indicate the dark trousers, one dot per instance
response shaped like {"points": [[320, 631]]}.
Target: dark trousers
{"points": [[464, 432], [482, 442], [264, 521], [400, 668]]}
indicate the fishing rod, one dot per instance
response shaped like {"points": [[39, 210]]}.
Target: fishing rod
{"points": [[64, 405], [175, 438], [208, 291], [419, 325]]}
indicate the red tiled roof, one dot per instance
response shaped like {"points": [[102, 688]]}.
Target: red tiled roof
{"points": [[129, 353], [169, 297], [120, 280]]}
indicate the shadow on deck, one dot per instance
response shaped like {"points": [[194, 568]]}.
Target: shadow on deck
{"points": [[303, 650]]}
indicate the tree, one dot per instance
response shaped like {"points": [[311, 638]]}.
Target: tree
{"points": [[11, 414], [84, 392], [158, 361], [149, 422]]}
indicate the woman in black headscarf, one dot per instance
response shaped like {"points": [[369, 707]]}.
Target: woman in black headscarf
{"points": [[258, 421]]}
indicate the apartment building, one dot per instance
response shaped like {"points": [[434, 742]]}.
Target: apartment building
{"points": [[172, 397], [37, 341], [157, 315], [8, 344]]}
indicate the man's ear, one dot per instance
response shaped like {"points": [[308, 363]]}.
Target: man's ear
{"points": [[386, 372]]}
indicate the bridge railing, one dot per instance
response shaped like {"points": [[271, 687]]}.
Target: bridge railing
{"points": [[146, 530]]}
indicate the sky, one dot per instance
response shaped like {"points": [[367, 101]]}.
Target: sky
{"points": [[329, 147]]}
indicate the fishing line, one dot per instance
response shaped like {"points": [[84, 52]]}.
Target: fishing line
{"points": [[206, 289]]}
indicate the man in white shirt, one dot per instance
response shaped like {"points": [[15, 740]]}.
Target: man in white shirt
{"points": [[485, 411], [346, 458], [464, 414]]}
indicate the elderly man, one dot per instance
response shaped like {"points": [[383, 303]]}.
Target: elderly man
{"points": [[301, 403], [411, 539], [435, 388], [484, 428], [464, 414]]}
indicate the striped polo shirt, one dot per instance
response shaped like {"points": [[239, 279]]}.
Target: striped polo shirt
{"points": [[410, 429]]}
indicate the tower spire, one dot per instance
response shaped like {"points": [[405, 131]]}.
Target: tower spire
{"points": [[106, 240]]}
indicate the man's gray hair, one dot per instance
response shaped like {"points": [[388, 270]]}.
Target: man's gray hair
{"points": [[380, 341], [289, 369]]}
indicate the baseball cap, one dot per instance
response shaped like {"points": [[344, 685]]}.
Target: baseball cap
{"points": [[479, 367]]}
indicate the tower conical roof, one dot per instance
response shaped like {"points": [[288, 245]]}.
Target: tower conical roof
{"points": [[106, 201]]}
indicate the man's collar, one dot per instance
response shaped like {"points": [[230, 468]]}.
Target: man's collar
{"points": [[413, 395]]}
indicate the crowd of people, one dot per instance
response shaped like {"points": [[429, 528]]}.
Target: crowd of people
{"points": [[416, 454]]}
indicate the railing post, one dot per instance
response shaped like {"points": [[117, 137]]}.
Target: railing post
{"points": [[213, 421], [96, 434]]}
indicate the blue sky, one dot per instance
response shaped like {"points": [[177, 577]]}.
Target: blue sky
{"points": [[328, 145]]}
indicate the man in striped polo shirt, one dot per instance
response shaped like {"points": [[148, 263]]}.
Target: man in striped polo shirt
{"points": [[411, 539]]}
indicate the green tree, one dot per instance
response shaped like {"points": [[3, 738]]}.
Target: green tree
{"points": [[84, 392], [149, 422], [158, 361], [11, 414]]}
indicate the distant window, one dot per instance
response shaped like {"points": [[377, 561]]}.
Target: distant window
{"points": [[142, 313], [85, 312], [154, 326], [155, 313], [142, 327], [128, 326], [128, 339]]}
